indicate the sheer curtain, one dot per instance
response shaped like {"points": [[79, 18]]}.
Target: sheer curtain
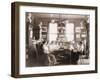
{"points": [[52, 32], [69, 31]]}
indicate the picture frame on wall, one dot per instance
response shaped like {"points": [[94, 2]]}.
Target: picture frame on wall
{"points": [[44, 39]]}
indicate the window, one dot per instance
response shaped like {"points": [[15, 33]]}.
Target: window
{"points": [[69, 31]]}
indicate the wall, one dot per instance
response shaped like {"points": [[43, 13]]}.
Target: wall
{"points": [[5, 40]]}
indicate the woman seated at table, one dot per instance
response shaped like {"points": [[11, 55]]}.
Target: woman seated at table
{"points": [[74, 53], [48, 49]]}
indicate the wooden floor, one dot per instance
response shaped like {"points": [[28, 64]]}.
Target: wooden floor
{"points": [[43, 61]]}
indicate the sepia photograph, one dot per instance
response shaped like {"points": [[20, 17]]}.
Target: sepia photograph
{"points": [[56, 39]]}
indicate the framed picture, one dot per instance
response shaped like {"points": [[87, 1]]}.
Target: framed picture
{"points": [[34, 55], [44, 29], [78, 29], [77, 35]]}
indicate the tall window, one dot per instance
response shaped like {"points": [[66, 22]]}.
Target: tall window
{"points": [[69, 31], [52, 33]]}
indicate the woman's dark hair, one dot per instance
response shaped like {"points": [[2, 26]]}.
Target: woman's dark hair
{"points": [[43, 41], [80, 42]]}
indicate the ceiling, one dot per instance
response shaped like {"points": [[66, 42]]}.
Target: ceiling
{"points": [[63, 16]]}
